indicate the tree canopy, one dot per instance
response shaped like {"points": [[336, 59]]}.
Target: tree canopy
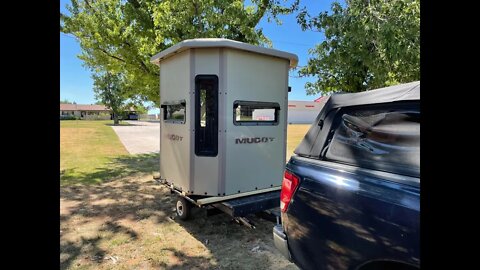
{"points": [[66, 101], [120, 36], [368, 44], [111, 90]]}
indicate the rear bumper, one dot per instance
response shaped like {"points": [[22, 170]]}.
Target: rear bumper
{"points": [[280, 241]]}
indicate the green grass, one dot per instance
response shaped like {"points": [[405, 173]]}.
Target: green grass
{"points": [[90, 152], [129, 219]]}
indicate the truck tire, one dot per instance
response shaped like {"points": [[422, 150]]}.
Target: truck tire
{"points": [[183, 208]]}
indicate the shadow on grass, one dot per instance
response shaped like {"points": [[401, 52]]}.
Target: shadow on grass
{"points": [[71, 250], [184, 261], [118, 167], [123, 214], [118, 199], [89, 246]]}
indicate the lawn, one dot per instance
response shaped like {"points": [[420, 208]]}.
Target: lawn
{"points": [[113, 215], [129, 223], [90, 152], [295, 134]]}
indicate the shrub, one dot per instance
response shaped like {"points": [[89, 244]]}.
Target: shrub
{"points": [[68, 117]]}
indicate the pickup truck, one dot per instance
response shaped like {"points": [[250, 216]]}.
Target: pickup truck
{"points": [[350, 195]]}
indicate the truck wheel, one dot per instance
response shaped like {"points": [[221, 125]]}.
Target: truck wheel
{"points": [[183, 208]]}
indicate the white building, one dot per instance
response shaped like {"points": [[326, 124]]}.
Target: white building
{"points": [[304, 112]]}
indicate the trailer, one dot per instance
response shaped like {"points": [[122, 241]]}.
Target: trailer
{"points": [[223, 124], [265, 203]]}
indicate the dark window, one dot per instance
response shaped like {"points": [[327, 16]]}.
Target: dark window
{"points": [[174, 112], [380, 137], [206, 115], [255, 113]]}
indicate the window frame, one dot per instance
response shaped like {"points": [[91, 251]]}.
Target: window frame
{"points": [[200, 149], [272, 105], [172, 103]]}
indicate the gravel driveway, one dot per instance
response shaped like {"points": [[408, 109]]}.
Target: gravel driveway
{"points": [[140, 137]]}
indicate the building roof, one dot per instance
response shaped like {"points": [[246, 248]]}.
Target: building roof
{"points": [[82, 107], [87, 107], [319, 99], [221, 43]]}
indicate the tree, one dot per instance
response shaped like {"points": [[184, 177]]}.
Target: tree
{"points": [[140, 108], [65, 101], [368, 44], [110, 89], [121, 36]]}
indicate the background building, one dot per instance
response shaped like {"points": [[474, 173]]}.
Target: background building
{"points": [[92, 112], [304, 112]]}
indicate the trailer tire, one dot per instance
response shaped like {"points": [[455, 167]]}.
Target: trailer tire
{"points": [[183, 208]]}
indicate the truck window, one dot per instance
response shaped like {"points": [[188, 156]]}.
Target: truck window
{"points": [[381, 137], [255, 113]]}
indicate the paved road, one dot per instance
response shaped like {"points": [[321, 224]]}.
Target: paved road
{"points": [[140, 137]]}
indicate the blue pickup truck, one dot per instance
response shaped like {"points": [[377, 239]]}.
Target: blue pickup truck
{"points": [[350, 195]]}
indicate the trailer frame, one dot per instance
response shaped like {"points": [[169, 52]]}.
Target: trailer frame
{"points": [[237, 205]]}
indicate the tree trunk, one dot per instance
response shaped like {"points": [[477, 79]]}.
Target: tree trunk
{"points": [[115, 119]]}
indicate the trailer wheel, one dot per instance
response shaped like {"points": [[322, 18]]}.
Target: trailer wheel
{"points": [[183, 208]]}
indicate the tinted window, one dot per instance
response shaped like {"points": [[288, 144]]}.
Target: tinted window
{"points": [[255, 113], [382, 137], [206, 114]]}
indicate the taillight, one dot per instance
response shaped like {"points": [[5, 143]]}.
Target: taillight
{"points": [[289, 185]]}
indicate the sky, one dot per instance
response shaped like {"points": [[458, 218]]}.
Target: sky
{"points": [[76, 83]]}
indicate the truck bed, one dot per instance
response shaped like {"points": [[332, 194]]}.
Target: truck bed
{"points": [[350, 215]]}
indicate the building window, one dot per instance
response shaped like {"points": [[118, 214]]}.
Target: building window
{"points": [[174, 112], [255, 113]]}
